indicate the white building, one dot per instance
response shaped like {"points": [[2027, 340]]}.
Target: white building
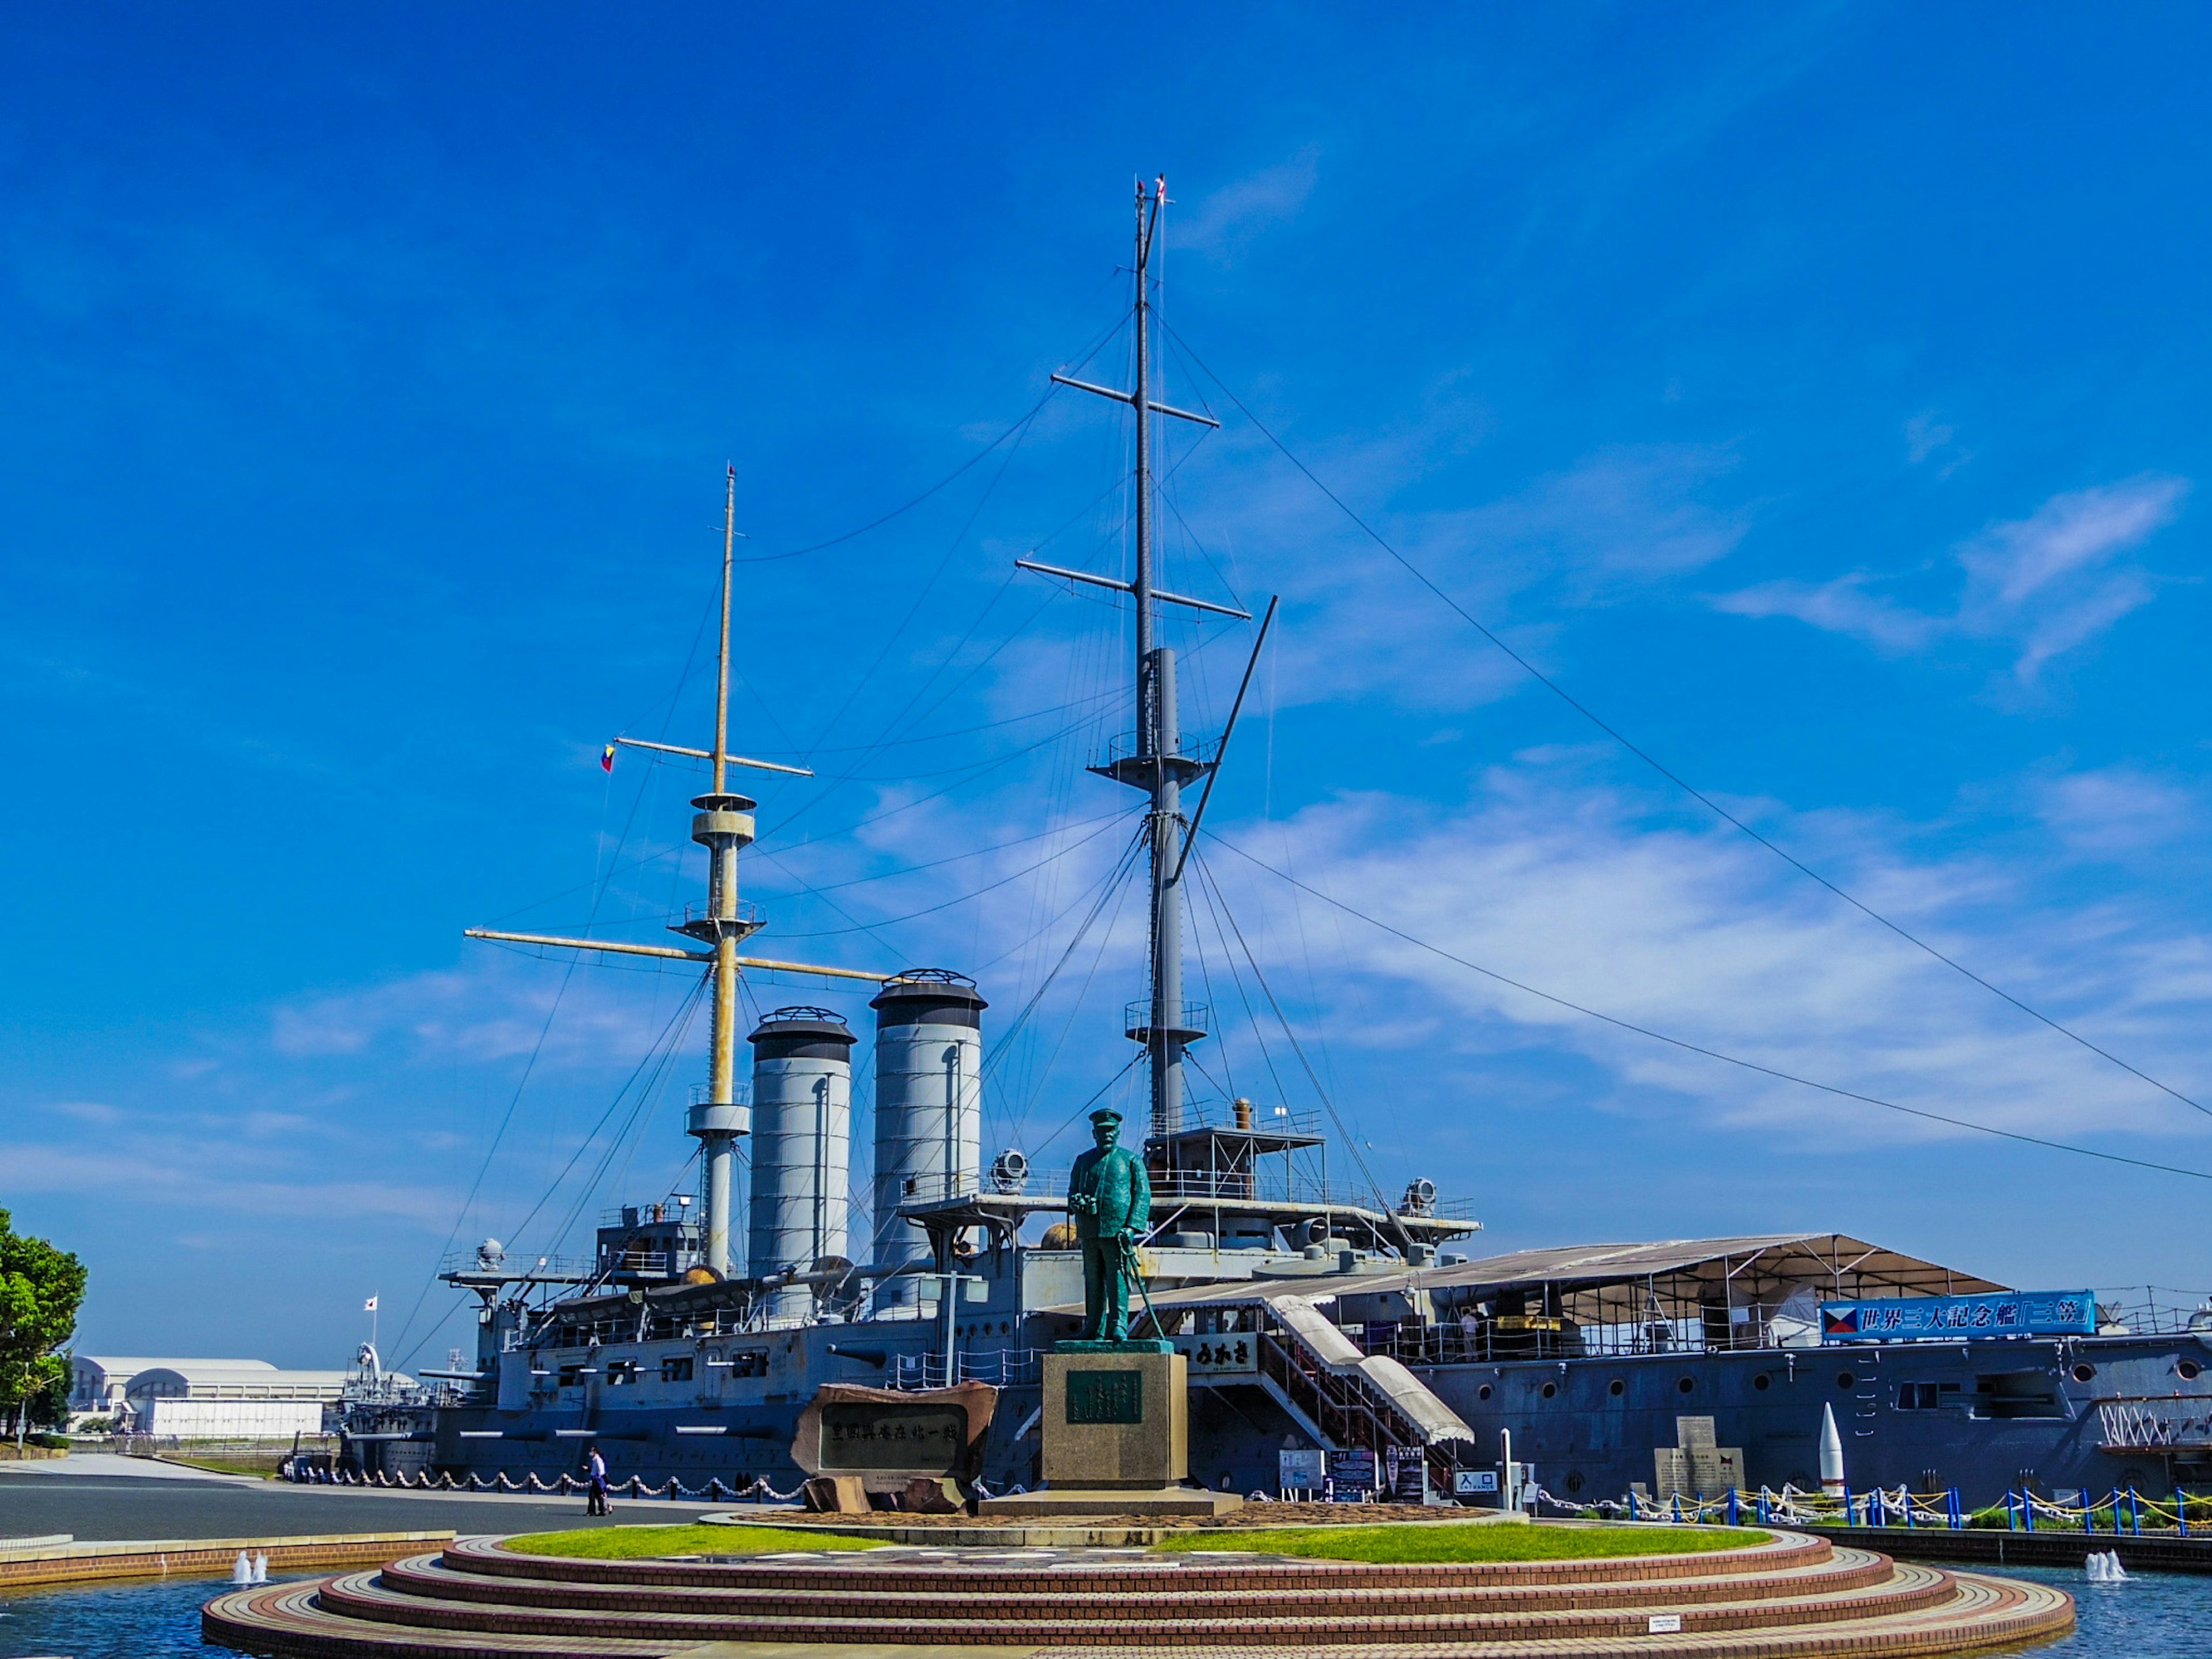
{"points": [[204, 1399]]}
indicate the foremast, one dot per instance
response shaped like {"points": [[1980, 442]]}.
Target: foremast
{"points": [[722, 823]]}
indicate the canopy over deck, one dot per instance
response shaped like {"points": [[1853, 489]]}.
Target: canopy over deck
{"points": [[1608, 1283]]}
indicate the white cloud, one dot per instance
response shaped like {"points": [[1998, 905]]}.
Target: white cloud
{"points": [[1698, 934], [2117, 810], [1225, 221], [1842, 606], [2040, 586], [1926, 436]]}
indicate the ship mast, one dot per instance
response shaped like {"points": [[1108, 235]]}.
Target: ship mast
{"points": [[722, 823], [1168, 1024]]}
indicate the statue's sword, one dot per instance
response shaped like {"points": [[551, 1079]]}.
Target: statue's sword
{"points": [[1144, 1295]]}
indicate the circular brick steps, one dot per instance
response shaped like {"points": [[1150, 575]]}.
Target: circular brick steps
{"points": [[1796, 1595]]}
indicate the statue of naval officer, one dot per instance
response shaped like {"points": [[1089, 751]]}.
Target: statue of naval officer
{"points": [[1110, 1197]]}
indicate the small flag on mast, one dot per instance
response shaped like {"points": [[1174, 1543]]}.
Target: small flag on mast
{"points": [[607, 758], [369, 1306]]}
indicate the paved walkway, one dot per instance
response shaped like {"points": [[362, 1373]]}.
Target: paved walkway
{"points": [[151, 1500]]}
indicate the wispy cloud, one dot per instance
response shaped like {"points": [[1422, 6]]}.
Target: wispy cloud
{"points": [[1579, 890], [1224, 222], [2117, 810], [2041, 585]]}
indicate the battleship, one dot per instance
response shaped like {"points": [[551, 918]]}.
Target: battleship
{"points": [[1338, 1336]]}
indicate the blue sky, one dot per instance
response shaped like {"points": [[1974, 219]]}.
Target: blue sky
{"points": [[1814, 393]]}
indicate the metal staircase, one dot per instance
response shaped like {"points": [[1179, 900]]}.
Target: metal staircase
{"points": [[1344, 1398]]}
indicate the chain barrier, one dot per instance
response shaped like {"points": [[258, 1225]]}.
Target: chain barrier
{"points": [[2123, 1512], [758, 1490]]}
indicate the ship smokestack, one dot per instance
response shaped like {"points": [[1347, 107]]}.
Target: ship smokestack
{"points": [[929, 1100], [801, 1146]]}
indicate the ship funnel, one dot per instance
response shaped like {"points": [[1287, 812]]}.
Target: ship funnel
{"points": [[801, 1147], [929, 1099]]}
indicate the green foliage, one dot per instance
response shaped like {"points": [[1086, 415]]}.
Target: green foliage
{"points": [[50, 1406], [1475, 1540], [40, 1288], [631, 1543]]}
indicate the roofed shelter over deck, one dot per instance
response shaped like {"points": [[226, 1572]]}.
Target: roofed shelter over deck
{"points": [[1755, 1291]]}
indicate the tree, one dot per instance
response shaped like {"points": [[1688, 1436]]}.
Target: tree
{"points": [[40, 1288]]}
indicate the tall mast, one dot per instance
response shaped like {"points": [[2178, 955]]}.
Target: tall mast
{"points": [[1164, 1024], [1159, 743], [722, 659], [722, 823]]}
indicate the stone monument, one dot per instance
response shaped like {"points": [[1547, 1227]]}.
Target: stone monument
{"points": [[1116, 1422]]}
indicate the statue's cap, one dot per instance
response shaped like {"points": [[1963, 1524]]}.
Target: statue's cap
{"points": [[1105, 1115]]}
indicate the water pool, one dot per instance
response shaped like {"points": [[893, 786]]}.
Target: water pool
{"points": [[2152, 1616], [158, 1619]]}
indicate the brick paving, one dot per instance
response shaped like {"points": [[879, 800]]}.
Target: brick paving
{"points": [[1796, 1595]]}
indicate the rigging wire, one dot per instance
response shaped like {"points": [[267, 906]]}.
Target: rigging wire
{"points": [[645, 1076], [991, 887], [529, 1068], [1352, 1142], [1035, 410], [1699, 1048], [1663, 770]]}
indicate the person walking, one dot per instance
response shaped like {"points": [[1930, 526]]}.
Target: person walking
{"points": [[595, 1483]]}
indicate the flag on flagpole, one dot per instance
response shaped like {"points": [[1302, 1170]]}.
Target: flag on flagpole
{"points": [[369, 1306], [607, 759]]}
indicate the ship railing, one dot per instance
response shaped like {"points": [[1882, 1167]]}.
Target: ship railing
{"points": [[1268, 1184], [466, 1262], [1538, 1336], [2153, 1310], [1004, 1368], [2154, 1422]]}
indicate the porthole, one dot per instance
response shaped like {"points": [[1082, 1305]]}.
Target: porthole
{"points": [[2084, 1371], [1483, 1393], [1762, 1381], [2190, 1370], [1574, 1480], [1845, 1380], [1616, 1387], [1549, 1389], [1687, 1383]]}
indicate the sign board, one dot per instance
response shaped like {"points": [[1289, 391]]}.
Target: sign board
{"points": [[1955, 1318], [1474, 1483], [1408, 1469], [1353, 1473], [859, 1437], [1228, 1354], [1300, 1471], [1111, 1397]]}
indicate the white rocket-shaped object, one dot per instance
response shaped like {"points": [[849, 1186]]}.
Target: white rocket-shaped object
{"points": [[1831, 1454]]}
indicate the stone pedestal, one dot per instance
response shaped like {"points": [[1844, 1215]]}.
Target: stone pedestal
{"points": [[1116, 1431]]}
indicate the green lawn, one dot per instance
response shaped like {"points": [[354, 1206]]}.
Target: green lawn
{"points": [[631, 1543], [1473, 1542]]}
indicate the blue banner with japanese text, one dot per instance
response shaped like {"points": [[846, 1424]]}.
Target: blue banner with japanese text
{"points": [[1950, 1318]]}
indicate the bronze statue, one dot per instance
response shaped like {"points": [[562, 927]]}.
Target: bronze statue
{"points": [[1110, 1197]]}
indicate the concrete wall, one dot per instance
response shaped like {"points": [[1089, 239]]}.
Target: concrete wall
{"points": [[225, 1419]]}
